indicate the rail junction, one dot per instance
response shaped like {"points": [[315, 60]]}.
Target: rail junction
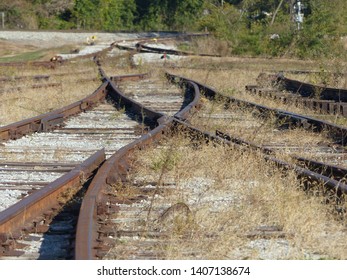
{"points": [[71, 171]]}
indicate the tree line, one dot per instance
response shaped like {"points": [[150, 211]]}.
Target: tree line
{"points": [[252, 27]]}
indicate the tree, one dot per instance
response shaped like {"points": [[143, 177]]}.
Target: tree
{"points": [[104, 14], [170, 14], [85, 14]]}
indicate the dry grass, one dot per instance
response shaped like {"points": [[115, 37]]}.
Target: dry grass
{"points": [[232, 82], [230, 194], [252, 126], [20, 101]]}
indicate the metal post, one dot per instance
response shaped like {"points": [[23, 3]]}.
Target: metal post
{"points": [[299, 16]]}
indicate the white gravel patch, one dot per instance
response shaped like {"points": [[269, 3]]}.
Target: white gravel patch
{"points": [[9, 197], [265, 249], [29, 176], [141, 58], [161, 46], [49, 39], [53, 39]]}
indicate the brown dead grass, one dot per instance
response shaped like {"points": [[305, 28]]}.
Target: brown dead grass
{"points": [[229, 193], [9, 48], [19, 101], [232, 193], [232, 82]]}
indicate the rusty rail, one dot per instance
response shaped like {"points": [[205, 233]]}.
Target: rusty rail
{"points": [[324, 170], [327, 170], [192, 93], [46, 64], [114, 169], [338, 133], [322, 106], [94, 205], [33, 207], [142, 47], [19, 78], [310, 90], [47, 121], [140, 113], [222, 138]]}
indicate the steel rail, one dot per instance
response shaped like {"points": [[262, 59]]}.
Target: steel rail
{"points": [[326, 170], [338, 133], [47, 121], [222, 138], [19, 78], [35, 86], [21, 215], [114, 169], [30, 211], [94, 204], [139, 112], [158, 38], [323, 106], [144, 48], [47, 64], [190, 88], [310, 90]]}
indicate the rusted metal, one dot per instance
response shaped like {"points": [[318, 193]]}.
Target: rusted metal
{"points": [[19, 78], [37, 86], [336, 132], [138, 46], [145, 48], [322, 106], [94, 204], [143, 114], [327, 170], [192, 95], [115, 168], [19, 215], [52, 119], [113, 171], [47, 64], [310, 90]]}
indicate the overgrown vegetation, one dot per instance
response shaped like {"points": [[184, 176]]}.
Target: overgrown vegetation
{"points": [[251, 27], [225, 204]]}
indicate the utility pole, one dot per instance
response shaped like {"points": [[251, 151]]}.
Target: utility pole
{"points": [[299, 15]]}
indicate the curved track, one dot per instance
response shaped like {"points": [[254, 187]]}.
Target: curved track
{"points": [[69, 142], [133, 219], [120, 207], [323, 100]]}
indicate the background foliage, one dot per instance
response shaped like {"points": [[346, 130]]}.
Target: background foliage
{"points": [[247, 25]]}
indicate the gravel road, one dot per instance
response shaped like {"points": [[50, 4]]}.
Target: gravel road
{"points": [[54, 39]]}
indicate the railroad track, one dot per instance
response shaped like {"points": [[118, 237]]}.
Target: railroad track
{"points": [[114, 172], [323, 100], [133, 224], [121, 207], [245, 116], [33, 162], [50, 152]]}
